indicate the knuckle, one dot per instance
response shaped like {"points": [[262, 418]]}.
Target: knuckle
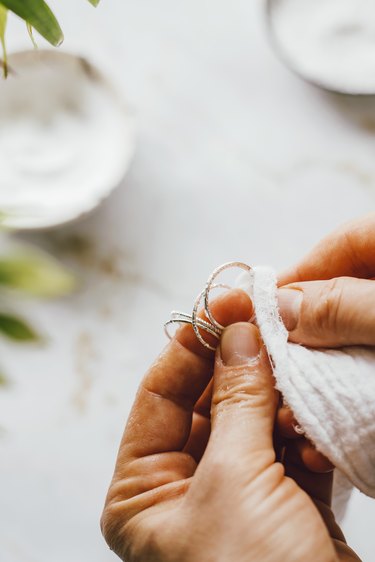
{"points": [[238, 385], [108, 526], [241, 389], [113, 528], [327, 314]]}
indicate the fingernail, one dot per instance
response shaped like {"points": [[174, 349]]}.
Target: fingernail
{"points": [[290, 301], [239, 344]]}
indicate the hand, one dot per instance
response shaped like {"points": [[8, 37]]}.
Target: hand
{"points": [[328, 300], [196, 478]]}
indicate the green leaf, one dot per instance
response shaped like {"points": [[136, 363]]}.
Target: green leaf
{"points": [[36, 273], [3, 26], [31, 34], [38, 15], [16, 329], [94, 2]]}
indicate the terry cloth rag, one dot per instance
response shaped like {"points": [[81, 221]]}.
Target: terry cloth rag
{"points": [[331, 392]]}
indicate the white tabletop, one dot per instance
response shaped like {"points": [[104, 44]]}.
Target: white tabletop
{"points": [[236, 159]]}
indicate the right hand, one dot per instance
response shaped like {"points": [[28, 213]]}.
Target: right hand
{"points": [[328, 299]]}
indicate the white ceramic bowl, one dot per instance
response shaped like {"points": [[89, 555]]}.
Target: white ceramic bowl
{"points": [[66, 139], [328, 43]]}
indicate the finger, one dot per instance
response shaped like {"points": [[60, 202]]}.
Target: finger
{"points": [[199, 436], [161, 417], [332, 313], [201, 425], [348, 251], [286, 424], [244, 401], [312, 459], [288, 427], [203, 406], [227, 309], [319, 488], [316, 485]]}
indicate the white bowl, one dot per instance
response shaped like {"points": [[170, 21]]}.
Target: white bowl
{"points": [[329, 43], [66, 139]]}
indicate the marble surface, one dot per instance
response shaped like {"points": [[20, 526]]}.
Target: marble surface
{"points": [[237, 159]]}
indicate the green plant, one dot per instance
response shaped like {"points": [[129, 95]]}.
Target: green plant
{"points": [[37, 15], [33, 272]]}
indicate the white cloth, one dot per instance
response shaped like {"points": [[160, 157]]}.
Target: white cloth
{"points": [[331, 391]]}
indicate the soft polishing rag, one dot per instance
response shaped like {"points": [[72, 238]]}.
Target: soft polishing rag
{"points": [[331, 391]]}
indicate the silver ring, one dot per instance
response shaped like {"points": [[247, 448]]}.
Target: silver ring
{"points": [[211, 326], [183, 318], [210, 286], [194, 318]]}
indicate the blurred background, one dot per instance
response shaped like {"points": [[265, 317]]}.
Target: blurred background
{"points": [[236, 158]]}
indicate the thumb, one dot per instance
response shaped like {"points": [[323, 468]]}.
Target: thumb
{"points": [[332, 313], [244, 399]]}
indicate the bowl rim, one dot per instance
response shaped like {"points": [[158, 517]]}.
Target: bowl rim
{"points": [[279, 50], [125, 110]]}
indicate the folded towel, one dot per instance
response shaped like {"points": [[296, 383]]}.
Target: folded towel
{"points": [[330, 391]]}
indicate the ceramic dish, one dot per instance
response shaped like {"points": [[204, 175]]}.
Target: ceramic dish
{"points": [[328, 43], [66, 139]]}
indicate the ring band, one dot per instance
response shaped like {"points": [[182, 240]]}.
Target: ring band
{"points": [[211, 325]]}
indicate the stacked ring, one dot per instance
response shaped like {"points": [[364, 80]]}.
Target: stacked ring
{"points": [[210, 325]]}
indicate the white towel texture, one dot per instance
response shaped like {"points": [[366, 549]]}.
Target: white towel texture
{"points": [[330, 391]]}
